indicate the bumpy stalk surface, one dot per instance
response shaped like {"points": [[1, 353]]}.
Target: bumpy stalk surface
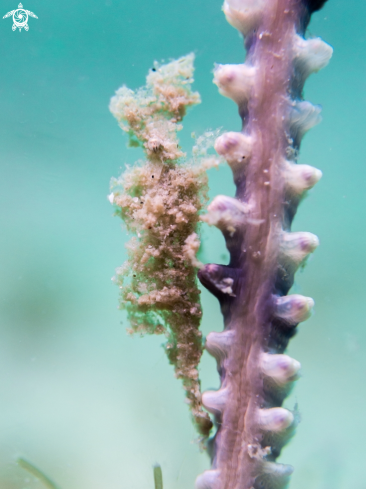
{"points": [[259, 316]]}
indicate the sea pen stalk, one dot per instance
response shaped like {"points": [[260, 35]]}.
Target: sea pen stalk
{"points": [[259, 316]]}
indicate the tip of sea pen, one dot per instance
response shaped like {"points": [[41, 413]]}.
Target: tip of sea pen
{"points": [[314, 5]]}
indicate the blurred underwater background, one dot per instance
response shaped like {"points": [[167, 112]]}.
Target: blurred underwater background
{"points": [[90, 406]]}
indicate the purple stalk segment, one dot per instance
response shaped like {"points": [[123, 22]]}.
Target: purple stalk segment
{"points": [[259, 317]]}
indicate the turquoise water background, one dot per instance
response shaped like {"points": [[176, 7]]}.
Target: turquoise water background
{"points": [[90, 406]]}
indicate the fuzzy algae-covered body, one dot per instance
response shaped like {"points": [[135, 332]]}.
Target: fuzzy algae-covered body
{"points": [[259, 316], [160, 201]]}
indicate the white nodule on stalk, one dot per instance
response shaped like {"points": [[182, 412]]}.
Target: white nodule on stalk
{"points": [[219, 344], [226, 213], [300, 178], [235, 81], [235, 147], [303, 116], [215, 401], [225, 285], [273, 475], [295, 247], [281, 368], [310, 55], [208, 480], [276, 419], [244, 15], [294, 308]]}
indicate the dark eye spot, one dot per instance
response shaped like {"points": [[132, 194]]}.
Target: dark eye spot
{"points": [[152, 176], [154, 69]]}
